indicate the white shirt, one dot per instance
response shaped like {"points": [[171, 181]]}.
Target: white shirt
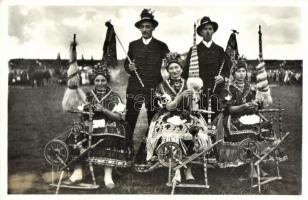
{"points": [[207, 44], [146, 41]]}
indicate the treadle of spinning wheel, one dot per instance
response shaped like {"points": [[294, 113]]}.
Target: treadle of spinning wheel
{"points": [[86, 186], [267, 180], [189, 157], [261, 178], [189, 185]]}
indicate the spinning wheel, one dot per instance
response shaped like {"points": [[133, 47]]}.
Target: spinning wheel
{"points": [[169, 153], [248, 150], [56, 152]]}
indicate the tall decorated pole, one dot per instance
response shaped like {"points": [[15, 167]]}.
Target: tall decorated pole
{"points": [[263, 91], [194, 82], [73, 95]]}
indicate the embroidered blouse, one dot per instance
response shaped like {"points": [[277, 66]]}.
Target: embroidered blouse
{"points": [[109, 100], [237, 96], [168, 90]]}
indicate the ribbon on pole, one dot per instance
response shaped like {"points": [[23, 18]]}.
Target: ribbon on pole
{"points": [[110, 46], [231, 50]]}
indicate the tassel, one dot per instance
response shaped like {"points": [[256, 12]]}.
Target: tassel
{"points": [[73, 98], [264, 97], [204, 140]]}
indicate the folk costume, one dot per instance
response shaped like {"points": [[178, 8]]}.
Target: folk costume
{"points": [[175, 125], [147, 56], [112, 149], [115, 150], [238, 125]]}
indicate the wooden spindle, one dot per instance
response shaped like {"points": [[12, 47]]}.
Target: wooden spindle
{"points": [[205, 170], [280, 119], [92, 172], [259, 178], [209, 115]]}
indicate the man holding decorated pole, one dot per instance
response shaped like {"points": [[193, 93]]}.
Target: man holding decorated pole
{"points": [[212, 60], [143, 63]]}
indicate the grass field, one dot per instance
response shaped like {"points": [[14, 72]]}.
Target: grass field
{"points": [[35, 117]]}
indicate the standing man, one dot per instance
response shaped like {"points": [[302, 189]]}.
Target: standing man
{"points": [[146, 55], [210, 57]]}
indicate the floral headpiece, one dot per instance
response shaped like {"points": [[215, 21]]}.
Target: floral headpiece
{"points": [[174, 57], [241, 62], [101, 69], [237, 64]]}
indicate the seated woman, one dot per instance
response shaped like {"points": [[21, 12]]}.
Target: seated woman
{"points": [[108, 125], [174, 121], [240, 120]]}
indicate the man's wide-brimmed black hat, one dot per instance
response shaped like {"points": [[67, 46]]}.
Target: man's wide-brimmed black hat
{"points": [[147, 16], [204, 21]]}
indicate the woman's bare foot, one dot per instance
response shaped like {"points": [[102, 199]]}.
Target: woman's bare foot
{"points": [[188, 174], [108, 178], [77, 174]]}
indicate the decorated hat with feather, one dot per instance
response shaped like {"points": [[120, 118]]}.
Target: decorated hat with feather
{"points": [[147, 16], [204, 21]]}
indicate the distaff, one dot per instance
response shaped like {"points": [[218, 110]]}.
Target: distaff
{"points": [[263, 90], [194, 82], [73, 95]]}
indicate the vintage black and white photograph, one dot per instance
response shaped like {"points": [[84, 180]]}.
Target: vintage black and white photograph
{"points": [[171, 98]]}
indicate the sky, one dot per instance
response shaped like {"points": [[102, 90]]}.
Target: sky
{"points": [[43, 31]]}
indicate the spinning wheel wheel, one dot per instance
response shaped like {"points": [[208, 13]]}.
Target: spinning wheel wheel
{"points": [[169, 152], [248, 150], [56, 152]]}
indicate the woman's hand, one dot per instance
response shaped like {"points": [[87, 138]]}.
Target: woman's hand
{"points": [[171, 105], [98, 107], [251, 105], [186, 93]]}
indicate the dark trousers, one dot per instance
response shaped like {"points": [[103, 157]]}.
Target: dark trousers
{"points": [[134, 102]]}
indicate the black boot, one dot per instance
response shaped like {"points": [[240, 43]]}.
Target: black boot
{"points": [[140, 163]]}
